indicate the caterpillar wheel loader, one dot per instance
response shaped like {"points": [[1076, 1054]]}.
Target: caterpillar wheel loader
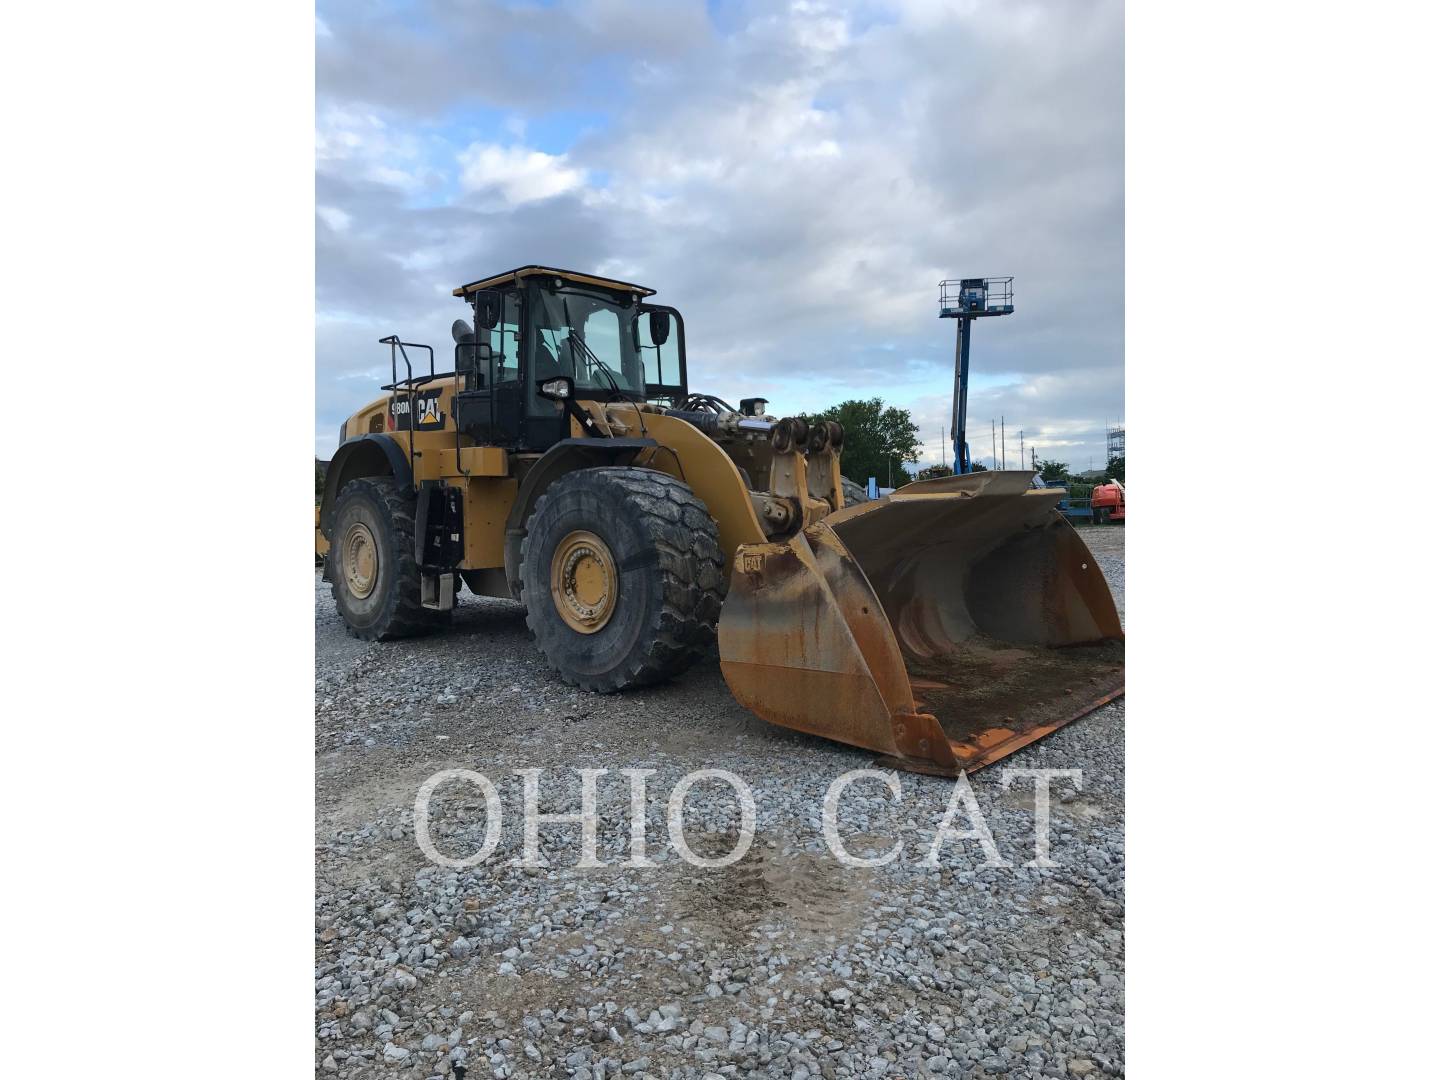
{"points": [[565, 462]]}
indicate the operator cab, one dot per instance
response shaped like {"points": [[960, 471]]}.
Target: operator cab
{"points": [[536, 324]]}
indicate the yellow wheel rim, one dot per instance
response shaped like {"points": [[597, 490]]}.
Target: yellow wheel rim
{"points": [[359, 560], [583, 582]]}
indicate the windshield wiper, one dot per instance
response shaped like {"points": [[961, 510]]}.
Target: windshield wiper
{"points": [[595, 360], [590, 353]]}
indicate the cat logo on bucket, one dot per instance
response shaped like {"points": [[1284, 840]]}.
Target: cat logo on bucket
{"points": [[428, 415]]}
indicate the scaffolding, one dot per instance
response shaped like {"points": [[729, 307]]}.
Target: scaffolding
{"points": [[1114, 443]]}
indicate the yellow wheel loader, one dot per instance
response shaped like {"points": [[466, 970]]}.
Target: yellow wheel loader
{"points": [[564, 461]]}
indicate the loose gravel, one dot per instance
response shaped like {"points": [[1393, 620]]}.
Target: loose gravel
{"points": [[785, 963]]}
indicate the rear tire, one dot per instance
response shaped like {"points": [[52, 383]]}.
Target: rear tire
{"points": [[371, 564], [1102, 517], [622, 577]]}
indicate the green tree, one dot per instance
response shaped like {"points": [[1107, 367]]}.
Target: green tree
{"points": [[1054, 470], [320, 467], [879, 440], [1115, 468], [944, 470]]}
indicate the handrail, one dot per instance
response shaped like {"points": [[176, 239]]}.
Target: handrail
{"points": [[394, 342], [999, 292]]}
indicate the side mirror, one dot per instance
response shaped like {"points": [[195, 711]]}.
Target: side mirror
{"points": [[559, 388], [659, 327], [487, 308]]}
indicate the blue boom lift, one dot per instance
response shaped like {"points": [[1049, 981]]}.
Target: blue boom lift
{"points": [[965, 300]]}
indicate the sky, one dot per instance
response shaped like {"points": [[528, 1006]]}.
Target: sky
{"points": [[795, 178]]}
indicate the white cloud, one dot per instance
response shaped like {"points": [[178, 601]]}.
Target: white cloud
{"points": [[517, 173], [333, 216], [363, 144], [795, 179]]}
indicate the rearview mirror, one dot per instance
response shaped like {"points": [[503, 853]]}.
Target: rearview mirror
{"points": [[659, 327], [487, 308]]}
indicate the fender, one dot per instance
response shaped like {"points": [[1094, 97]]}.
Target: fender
{"points": [[364, 455], [565, 456]]}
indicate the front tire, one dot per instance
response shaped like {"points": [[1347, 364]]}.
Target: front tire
{"points": [[621, 576], [372, 570]]}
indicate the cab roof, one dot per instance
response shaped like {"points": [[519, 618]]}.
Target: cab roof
{"points": [[513, 277]]}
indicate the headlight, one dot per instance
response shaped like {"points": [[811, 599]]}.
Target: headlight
{"points": [[557, 389]]}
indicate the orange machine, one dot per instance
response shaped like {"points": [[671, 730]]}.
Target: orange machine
{"points": [[1107, 502]]}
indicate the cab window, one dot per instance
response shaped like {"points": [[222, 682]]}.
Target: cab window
{"points": [[661, 362], [585, 336]]}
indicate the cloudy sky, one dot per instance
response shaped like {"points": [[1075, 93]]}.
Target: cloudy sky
{"points": [[795, 178]]}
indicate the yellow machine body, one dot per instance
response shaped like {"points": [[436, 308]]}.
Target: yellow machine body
{"points": [[943, 626]]}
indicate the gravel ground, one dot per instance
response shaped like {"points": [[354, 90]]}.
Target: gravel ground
{"points": [[785, 963]]}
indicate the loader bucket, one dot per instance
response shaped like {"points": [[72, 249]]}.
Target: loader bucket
{"points": [[944, 626]]}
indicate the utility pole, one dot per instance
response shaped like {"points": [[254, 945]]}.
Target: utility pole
{"points": [[994, 447], [1022, 448], [1032, 460], [1002, 442]]}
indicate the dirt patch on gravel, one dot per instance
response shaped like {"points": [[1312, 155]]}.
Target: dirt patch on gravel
{"points": [[768, 889]]}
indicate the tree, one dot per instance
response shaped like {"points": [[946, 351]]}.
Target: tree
{"points": [[1115, 468], [879, 440], [1054, 470], [935, 471], [320, 469]]}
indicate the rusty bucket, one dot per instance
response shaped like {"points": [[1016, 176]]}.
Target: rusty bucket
{"points": [[944, 626]]}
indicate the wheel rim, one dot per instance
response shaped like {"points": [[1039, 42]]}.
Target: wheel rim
{"points": [[583, 582], [359, 559]]}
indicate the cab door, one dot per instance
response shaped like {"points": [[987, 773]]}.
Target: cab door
{"points": [[489, 408]]}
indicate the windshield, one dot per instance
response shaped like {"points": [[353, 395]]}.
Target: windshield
{"points": [[602, 358]]}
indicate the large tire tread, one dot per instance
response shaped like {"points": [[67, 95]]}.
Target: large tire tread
{"points": [[691, 572], [405, 616]]}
